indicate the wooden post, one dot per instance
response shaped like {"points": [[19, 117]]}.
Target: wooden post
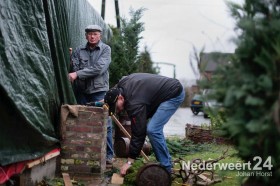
{"points": [[124, 131], [103, 9], [117, 14], [66, 179]]}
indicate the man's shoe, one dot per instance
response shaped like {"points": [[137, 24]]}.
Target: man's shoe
{"points": [[110, 161]]}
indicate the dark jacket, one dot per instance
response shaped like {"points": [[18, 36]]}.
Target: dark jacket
{"points": [[143, 93]]}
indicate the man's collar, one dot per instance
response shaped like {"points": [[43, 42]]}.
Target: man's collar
{"points": [[97, 46]]}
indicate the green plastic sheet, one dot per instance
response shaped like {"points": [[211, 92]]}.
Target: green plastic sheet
{"points": [[35, 37]]}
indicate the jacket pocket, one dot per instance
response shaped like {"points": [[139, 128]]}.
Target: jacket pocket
{"points": [[98, 82], [83, 64]]}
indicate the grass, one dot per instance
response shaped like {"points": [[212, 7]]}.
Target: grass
{"points": [[214, 151], [188, 151]]}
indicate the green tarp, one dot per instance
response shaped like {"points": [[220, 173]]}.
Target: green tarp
{"points": [[34, 60]]}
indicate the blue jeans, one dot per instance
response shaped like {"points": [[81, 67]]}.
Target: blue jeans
{"points": [[155, 129], [82, 99]]}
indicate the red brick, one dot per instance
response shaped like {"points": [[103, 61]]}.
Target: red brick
{"points": [[98, 143], [81, 142], [94, 123], [85, 140], [86, 156], [97, 117], [70, 134], [81, 135], [80, 148], [95, 156], [88, 149], [96, 149], [79, 128], [79, 169], [94, 136]]}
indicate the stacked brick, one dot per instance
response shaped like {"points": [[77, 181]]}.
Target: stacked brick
{"points": [[83, 145]]}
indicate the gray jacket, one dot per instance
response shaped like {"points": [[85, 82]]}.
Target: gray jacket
{"points": [[92, 66]]}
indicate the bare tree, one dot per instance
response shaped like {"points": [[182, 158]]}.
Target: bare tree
{"points": [[196, 62]]}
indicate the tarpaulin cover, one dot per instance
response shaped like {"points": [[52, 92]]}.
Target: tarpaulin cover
{"points": [[81, 14], [35, 36]]}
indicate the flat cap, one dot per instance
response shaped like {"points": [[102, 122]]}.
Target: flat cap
{"points": [[93, 28]]}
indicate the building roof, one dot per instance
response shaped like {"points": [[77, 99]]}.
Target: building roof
{"points": [[211, 61]]}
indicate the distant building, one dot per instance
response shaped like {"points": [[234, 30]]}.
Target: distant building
{"points": [[208, 64], [211, 61]]}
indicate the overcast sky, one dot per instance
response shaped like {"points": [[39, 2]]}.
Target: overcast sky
{"points": [[173, 27]]}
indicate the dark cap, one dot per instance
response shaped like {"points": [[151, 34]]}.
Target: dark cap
{"points": [[93, 28], [111, 98]]}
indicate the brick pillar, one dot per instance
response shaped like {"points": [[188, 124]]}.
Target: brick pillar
{"points": [[84, 141]]}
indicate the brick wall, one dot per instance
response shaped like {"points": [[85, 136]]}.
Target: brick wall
{"points": [[84, 142]]}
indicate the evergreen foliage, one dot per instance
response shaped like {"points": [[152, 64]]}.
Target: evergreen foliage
{"points": [[145, 63], [182, 147], [125, 46], [249, 87], [130, 178]]}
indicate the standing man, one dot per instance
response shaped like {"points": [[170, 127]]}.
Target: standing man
{"points": [[90, 75], [150, 100]]}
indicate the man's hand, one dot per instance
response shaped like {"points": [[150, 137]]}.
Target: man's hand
{"points": [[72, 76], [126, 166]]}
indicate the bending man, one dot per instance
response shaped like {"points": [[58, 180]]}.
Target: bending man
{"points": [[146, 96]]}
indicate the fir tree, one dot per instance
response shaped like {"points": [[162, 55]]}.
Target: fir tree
{"points": [[249, 88], [125, 46]]}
